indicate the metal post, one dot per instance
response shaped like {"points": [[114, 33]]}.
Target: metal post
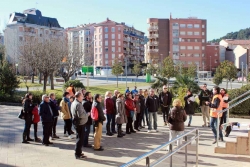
{"points": [[242, 73], [126, 67], [246, 73], [186, 152], [197, 147], [171, 157], [147, 162], [228, 114], [107, 71], [218, 129], [203, 70]]}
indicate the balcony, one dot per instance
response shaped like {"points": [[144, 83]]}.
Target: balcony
{"points": [[153, 36], [153, 43], [126, 39], [153, 50], [153, 28]]}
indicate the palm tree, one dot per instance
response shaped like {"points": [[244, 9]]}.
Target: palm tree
{"points": [[183, 81], [160, 81]]}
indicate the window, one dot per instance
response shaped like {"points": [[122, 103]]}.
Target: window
{"points": [[113, 36], [196, 48], [203, 33], [106, 49], [95, 43], [100, 50], [189, 54], [215, 54], [113, 56], [182, 47], [113, 49], [100, 43], [215, 48], [203, 40], [20, 38], [119, 43], [106, 29], [182, 32], [189, 63], [182, 54], [113, 29], [119, 36], [96, 63], [202, 55], [203, 48], [175, 41], [100, 56], [106, 62], [203, 26], [119, 29], [189, 33], [189, 25], [113, 42], [119, 49], [190, 47], [196, 55], [196, 33], [100, 63], [100, 36], [106, 43], [188, 40], [195, 40], [216, 61], [183, 25], [95, 49], [100, 29], [96, 56], [196, 26], [106, 36], [106, 56]]}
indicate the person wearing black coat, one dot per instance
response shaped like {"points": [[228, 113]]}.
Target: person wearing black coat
{"points": [[54, 106], [165, 98], [27, 108], [189, 105], [142, 108], [87, 105], [46, 114]]}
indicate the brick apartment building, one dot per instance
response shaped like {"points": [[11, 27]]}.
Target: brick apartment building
{"points": [[183, 39], [117, 40], [28, 25], [212, 56]]}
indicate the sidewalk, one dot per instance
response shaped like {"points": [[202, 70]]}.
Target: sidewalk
{"points": [[117, 151]]}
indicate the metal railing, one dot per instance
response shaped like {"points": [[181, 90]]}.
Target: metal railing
{"points": [[227, 110], [171, 150]]}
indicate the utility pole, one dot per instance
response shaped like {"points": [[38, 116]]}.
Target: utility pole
{"points": [[242, 75]]}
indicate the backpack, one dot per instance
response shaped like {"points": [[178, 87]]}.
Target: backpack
{"points": [[94, 113]]}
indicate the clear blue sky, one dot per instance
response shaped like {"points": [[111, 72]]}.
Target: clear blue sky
{"points": [[222, 16]]}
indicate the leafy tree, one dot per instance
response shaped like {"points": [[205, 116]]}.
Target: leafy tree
{"points": [[168, 68], [117, 70], [77, 84], [217, 80], [191, 70], [136, 69]]}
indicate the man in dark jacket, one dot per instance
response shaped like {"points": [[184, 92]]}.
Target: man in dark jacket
{"points": [[114, 101], [142, 108], [152, 103], [165, 98], [98, 123], [87, 105], [54, 106], [46, 114]]}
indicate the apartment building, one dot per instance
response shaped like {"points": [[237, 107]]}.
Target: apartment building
{"points": [[28, 25], [212, 56], [183, 39], [80, 41], [114, 40]]}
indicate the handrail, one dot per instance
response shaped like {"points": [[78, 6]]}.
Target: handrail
{"points": [[161, 147], [221, 111], [247, 92]]}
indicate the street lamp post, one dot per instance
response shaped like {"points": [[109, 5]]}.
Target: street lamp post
{"points": [[246, 73]]}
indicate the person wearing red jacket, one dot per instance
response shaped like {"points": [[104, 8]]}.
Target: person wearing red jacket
{"points": [[110, 111], [130, 111], [36, 119]]}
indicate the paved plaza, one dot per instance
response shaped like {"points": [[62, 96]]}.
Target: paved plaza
{"points": [[117, 151]]}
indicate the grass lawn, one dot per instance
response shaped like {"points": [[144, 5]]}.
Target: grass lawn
{"points": [[29, 84]]}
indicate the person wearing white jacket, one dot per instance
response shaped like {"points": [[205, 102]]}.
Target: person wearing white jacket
{"points": [[189, 105]]}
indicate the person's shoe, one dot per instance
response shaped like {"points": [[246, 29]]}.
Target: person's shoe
{"points": [[88, 146], [143, 126], [214, 142], [100, 149], [164, 124], [71, 137], [72, 132], [188, 124], [80, 157], [226, 135], [119, 136], [109, 134], [29, 139], [25, 142], [65, 135], [38, 140], [128, 132], [137, 129], [45, 144], [114, 132], [50, 142], [204, 125], [133, 131], [123, 134], [156, 130], [149, 131], [55, 136], [51, 138]]}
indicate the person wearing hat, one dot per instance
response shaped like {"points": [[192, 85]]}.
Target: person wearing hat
{"points": [[47, 119], [121, 117]]}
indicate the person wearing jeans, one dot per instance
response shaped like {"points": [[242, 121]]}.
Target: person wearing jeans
{"points": [[130, 110], [54, 106], [204, 96], [189, 105], [152, 103], [87, 105], [110, 111], [145, 94], [165, 98], [216, 106]]}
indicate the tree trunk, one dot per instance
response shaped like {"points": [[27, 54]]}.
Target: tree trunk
{"points": [[40, 78], [52, 87], [117, 81], [27, 89], [231, 84], [227, 84], [45, 78], [66, 78], [33, 76]]}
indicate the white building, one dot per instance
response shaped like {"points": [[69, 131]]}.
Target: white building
{"points": [[26, 25]]}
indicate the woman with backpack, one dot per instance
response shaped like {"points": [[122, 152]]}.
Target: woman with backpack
{"points": [[176, 118]]}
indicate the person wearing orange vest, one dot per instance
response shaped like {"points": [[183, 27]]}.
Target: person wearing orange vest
{"points": [[71, 90], [225, 101], [215, 106]]}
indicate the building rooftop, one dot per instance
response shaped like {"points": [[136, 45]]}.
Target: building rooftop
{"points": [[237, 42], [34, 16]]}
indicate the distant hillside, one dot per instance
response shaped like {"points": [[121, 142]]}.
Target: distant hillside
{"points": [[242, 34]]}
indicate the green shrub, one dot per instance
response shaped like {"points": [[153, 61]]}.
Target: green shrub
{"points": [[77, 84]]}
